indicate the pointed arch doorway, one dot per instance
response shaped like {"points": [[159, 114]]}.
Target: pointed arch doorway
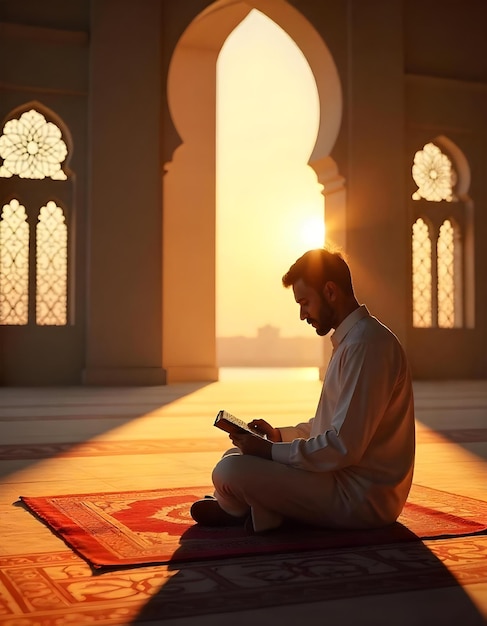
{"points": [[189, 221]]}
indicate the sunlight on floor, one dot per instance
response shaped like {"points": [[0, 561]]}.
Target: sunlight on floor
{"points": [[269, 373]]}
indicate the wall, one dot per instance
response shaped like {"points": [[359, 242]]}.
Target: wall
{"points": [[408, 71], [446, 94], [44, 56]]}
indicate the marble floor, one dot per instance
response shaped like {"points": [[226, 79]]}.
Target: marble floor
{"points": [[86, 439]]}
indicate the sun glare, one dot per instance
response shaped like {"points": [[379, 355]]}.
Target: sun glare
{"points": [[313, 232]]}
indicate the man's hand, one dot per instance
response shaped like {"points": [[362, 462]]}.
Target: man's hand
{"points": [[249, 444], [262, 427]]}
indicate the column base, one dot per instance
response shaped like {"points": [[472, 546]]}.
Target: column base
{"points": [[191, 373], [125, 376]]}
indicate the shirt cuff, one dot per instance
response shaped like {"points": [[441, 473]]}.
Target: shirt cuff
{"points": [[281, 452], [288, 433]]}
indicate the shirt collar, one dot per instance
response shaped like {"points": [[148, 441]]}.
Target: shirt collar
{"points": [[348, 323]]}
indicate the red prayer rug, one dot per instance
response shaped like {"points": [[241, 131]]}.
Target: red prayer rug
{"points": [[128, 528]]}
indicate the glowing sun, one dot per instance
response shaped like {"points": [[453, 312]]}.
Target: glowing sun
{"points": [[312, 232]]}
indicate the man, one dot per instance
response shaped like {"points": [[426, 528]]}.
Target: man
{"points": [[350, 466]]}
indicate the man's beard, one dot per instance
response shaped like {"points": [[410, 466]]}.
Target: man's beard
{"points": [[324, 323]]}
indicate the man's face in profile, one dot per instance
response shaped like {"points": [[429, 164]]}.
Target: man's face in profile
{"points": [[314, 307]]}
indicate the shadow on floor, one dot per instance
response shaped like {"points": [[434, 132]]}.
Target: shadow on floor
{"points": [[371, 584], [101, 410]]}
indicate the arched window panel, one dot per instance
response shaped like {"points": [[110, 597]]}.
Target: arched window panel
{"points": [[14, 265], [32, 148], [421, 274], [434, 175], [446, 275], [449, 270], [51, 266]]}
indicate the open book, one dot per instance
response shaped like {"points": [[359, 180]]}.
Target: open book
{"points": [[231, 424]]}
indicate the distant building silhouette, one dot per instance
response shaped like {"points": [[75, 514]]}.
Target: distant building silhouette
{"points": [[269, 349]]}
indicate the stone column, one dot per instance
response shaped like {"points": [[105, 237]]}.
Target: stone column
{"points": [[124, 312]]}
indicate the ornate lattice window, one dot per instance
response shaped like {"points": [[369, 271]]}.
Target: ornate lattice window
{"points": [[52, 266], [14, 264], [422, 280], [32, 148], [438, 240], [433, 174], [446, 275]]}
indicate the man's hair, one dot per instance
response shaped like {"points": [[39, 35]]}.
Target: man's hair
{"points": [[317, 267]]}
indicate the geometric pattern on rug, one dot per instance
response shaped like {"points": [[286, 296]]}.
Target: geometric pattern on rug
{"points": [[59, 588], [129, 528]]}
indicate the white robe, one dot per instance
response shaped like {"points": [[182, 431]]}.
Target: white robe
{"points": [[351, 466]]}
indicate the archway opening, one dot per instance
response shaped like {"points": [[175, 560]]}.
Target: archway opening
{"points": [[269, 204], [190, 198]]}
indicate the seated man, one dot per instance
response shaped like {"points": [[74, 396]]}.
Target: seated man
{"points": [[351, 465]]}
